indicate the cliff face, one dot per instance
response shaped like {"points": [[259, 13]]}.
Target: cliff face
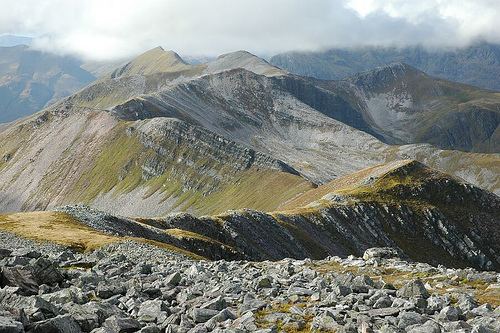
{"points": [[404, 105]]}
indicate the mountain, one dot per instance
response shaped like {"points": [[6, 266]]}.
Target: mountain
{"points": [[199, 138], [14, 40], [403, 105], [401, 204], [477, 65], [31, 80]]}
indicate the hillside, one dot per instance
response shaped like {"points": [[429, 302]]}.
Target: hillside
{"points": [[30, 80], [477, 65]]}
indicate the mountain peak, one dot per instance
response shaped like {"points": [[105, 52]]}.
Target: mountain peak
{"points": [[394, 71], [156, 60], [245, 60], [386, 77]]}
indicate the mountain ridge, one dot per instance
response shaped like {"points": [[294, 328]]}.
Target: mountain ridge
{"points": [[476, 65], [124, 144]]}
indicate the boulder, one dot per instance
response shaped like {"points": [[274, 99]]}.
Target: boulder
{"points": [[122, 324], [428, 327], [59, 324], [151, 311], [9, 325], [381, 253], [414, 288], [4, 253], [450, 313], [19, 277], [173, 279], [203, 315], [46, 272]]}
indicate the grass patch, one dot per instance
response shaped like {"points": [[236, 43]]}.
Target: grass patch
{"points": [[55, 227]]}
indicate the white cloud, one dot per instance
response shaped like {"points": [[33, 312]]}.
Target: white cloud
{"points": [[111, 29]]}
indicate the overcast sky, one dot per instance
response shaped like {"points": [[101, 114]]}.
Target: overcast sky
{"points": [[107, 29]]}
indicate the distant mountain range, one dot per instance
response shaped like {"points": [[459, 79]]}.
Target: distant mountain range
{"points": [[477, 65], [31, 80], [14, 40]]}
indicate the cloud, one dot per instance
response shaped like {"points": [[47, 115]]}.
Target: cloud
{"points": [[113, 29]]}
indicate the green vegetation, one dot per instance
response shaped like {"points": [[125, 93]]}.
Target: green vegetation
{"points": [[120, 158], [264, 190]]}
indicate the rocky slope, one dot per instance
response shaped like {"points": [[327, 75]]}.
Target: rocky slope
{"points": [[129, 287], [477, 65], [30, 80]]}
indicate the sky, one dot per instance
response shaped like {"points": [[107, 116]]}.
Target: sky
{"points": [[114, 29]]}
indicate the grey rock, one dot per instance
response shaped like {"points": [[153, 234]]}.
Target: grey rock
{"points": [[151, 311], [218, 303], [203, 315], [450, 313], [413, 288], [4, 253], [18, 277], [122, 324], [300, 291], [466, 302], [91, 315], [45, 271], [173, 279], [59, 324], [9, 325], [383, 302], [381, 253], [324, 323], [383, 312], [410, 318], [246, 322], [428, 327], [437, 303], [150, 329]]}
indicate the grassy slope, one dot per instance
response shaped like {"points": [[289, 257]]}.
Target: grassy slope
{"points": [[61, 228]]}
